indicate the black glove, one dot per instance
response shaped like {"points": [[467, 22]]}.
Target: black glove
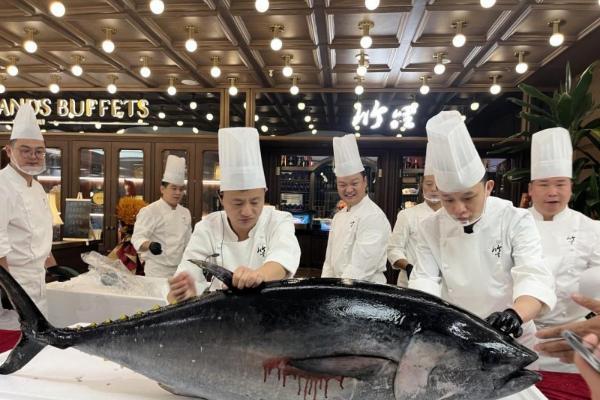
{"points": [[507, 321], [155, 248], [408, 269]]}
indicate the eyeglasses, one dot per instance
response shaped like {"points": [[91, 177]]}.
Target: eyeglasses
{"points": [[29, 152]]}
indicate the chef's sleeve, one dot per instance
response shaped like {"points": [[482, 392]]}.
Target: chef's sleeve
{"points": [[200, 247], [425, 275], [283, 244], [396, 248], [4, 221], [145, 224], [372, 235], [531, 276]]}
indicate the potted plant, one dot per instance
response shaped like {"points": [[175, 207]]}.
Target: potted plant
{"points": [[570, 107]]}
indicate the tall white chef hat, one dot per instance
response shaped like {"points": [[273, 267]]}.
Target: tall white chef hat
{"points": [[428, 169], [551, 154], [346, 156], [240, 159], [453, 157], [174, 170], [25, 124]]}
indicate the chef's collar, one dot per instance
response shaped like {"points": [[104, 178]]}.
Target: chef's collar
{"points": [[166, 205], [17, 177], [359, 205], [560, 217], [230, 234]]}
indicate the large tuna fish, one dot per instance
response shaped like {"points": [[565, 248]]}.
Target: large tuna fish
{"points": [[298, 339]]}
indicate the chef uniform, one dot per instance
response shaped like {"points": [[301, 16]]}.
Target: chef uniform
{"points": [[356, 247], [403, 241], [25, 223], [161, 223], [273, 237], [487, 270], [571, 241]]}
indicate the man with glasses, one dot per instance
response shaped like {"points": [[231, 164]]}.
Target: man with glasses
{"points": [[25, 219]]}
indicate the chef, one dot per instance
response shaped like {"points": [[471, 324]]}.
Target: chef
{"points": [[401, 250], [479, 252], [570, 240], [162, 229], [25, 219], [356, 247], [256, 242]]}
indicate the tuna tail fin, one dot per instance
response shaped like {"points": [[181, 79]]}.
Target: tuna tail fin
{"points": [[34, 326], [222, 274]]}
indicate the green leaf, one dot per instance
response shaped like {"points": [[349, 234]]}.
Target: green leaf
{"points": [[594, 136], [536, 94], [593, 124], [541, 121], [564, 110], [583, 86], [568, 78], [531, 106]]}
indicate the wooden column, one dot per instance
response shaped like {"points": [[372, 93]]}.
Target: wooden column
{"points": [[224, 110], [250, 107]]}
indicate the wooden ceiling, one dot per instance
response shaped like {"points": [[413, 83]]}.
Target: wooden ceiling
{"points": [[321, 36]]}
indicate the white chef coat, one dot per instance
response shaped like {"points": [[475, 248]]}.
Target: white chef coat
{"points": [[272, 239], [356, 248], [571, 244], [25, 238], [403, 241], [171, 227], [487, 270]]}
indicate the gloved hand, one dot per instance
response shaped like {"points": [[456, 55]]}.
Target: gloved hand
{"points": [[408, 268], [507, 321], [155, 248]]}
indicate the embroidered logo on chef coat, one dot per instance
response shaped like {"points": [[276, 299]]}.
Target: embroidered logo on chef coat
{"points": [[571, 239], [262, 250], [352, 223], [497, 250]]}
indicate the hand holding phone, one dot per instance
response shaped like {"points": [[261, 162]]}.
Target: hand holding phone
{"points": [[589, 352]]}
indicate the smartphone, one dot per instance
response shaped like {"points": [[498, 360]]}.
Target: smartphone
{"points": [[585, 350]]}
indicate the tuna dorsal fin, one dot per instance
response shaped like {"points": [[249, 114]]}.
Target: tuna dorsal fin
{"points": [[222, 274], [359, 367]]}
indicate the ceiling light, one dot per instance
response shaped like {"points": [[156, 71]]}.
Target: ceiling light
{"points": [[357, 134], [409, 125], [215, 71], [255, 117], [301, 106], [314, 131], [191, 45], [307, 118], [54, 87], [76, 68], [557, 38], [311, 126], [209, 116], [155, 128], [108, 45], [363, 63], [11, 68], [357, 127], [29, 44], [8, 127], [120, 131], [459, 39], [161, 115], [193, 105], [179, 123], [402, 129], [195, 130], [264, 128], [424, 89], [287, 70], [2, 88], [463, 117], [244, 105], [145, 70], [157, 6], [172, 90], [398, 135], [487, 3], [359, 88], [294, 90], [233, 90], [140, 121], [521, 66], [495, 88], [98, 125], [365, 41], [276, 43], [371, 4], [474, 106], [394, 124], [261, 5], [112, 86], [440, 65], [57, 8]]}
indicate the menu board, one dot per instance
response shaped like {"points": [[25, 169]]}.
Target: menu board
{"points": [[77, 219]]}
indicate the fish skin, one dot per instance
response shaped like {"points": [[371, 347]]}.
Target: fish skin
{"points": [[355, 340]]}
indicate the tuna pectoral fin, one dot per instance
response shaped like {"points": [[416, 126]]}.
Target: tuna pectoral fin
{"points": [[515, 383], [222, 274], [359, 367], [34, 325]]}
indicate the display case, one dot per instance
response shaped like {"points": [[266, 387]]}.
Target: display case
{"points": [[410, 181]]}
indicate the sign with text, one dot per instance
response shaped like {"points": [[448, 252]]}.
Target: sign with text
{"points": [[77, 218], [116, 108]]}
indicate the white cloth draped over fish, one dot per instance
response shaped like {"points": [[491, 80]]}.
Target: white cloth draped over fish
{"points": [[271, 239], [25, 238], [403, 241], [356, 248], [171, 227], [571, 243]]}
